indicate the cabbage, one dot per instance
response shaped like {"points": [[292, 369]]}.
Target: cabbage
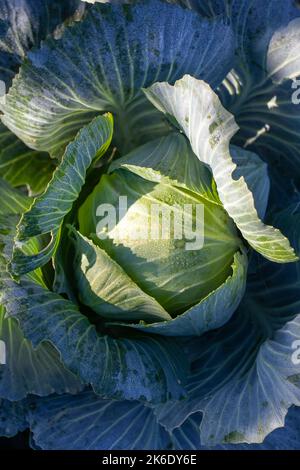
{"points": [[149, 224]]}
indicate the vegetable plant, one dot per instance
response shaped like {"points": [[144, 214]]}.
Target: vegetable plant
{"points": [[149, 240]]}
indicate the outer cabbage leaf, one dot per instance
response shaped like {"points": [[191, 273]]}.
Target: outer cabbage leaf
{"points": [[191, 102], [260, 88], [283, 191], [245, 376], [187, 436], [253, 22], [170, 160], [210, 313], [111, 365], [28, 370], [260, 91], [67, 81], [219, 305], [90, 423], [161, 265], [109, 1], [106, 288], [63, 281], [209, 8], [47, 212], [23, 24], [256, 175], [12, 201]]}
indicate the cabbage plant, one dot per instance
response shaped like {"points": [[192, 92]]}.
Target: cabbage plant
{"points": [[150, 281]]}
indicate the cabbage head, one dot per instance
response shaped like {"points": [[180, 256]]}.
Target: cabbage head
{"points": [[150, 224]]}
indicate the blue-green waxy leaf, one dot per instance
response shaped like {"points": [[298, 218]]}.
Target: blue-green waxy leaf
{"points": [[165, 161], [106, 288], [147, 368], [260, 90], [148, 248], [187, 436], [283, 57], [13, 417], [47, 212], [209, 8], [67, 81], [23, 262], [23, 369], [90, 423], [245, 369], [211, 312], [255, 172], [285, 438], [245, 375], [12, 201], [23, 24], [27, 370], [191, 101]]}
